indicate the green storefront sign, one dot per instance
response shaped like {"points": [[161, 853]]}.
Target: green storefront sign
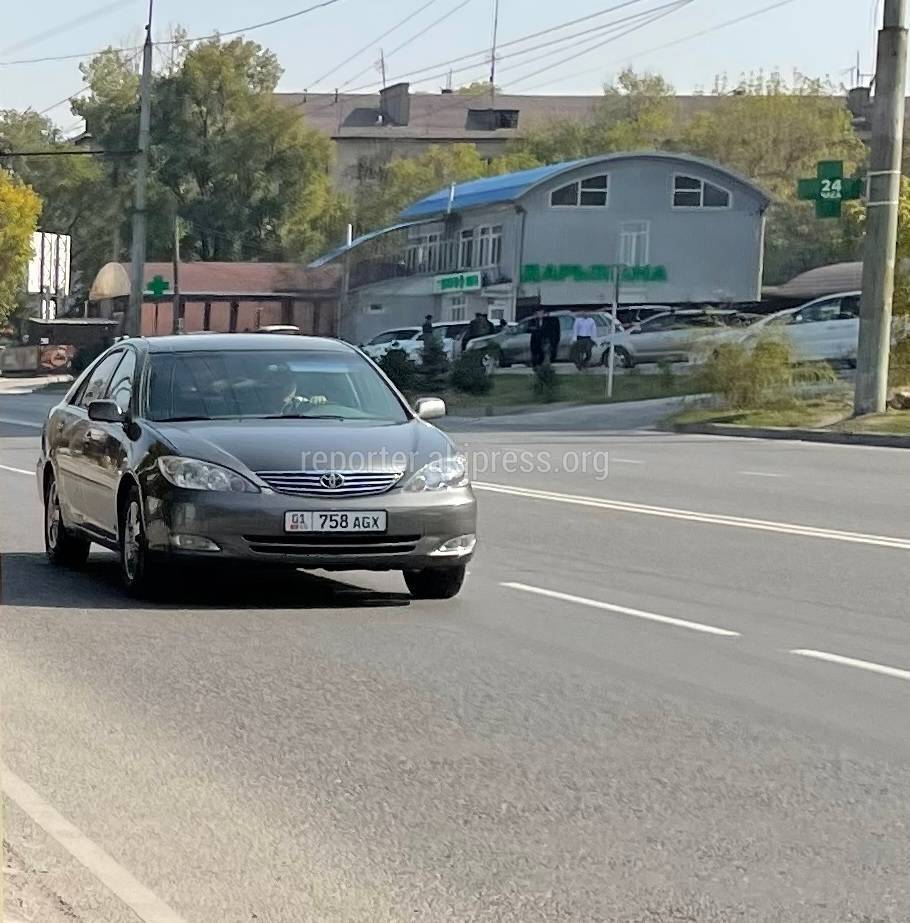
{"points": [[459, 282], [568, 272]]}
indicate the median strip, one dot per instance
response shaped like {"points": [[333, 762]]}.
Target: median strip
{"points": [[714, 519], [881, 669], [622, 610], [17, 470]]}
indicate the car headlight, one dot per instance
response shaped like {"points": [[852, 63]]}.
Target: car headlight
{"points": [[193, 474], [442, 474]]}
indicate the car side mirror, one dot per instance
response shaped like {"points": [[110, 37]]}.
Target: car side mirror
{"points": [[105, 412], [430, 408]]}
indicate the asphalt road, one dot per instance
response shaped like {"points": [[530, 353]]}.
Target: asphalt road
{"points": [[677, 693]]}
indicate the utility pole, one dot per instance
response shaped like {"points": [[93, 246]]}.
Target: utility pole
{"points": [[382, 66], [881, 218], [177, 303], [137, 280], [493, 54]]}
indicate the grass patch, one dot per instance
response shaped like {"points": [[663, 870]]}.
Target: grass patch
{"points": [[801, 414], [895, 421], [517, 390]]}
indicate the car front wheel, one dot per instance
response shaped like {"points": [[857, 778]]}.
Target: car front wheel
{"points": [[436, 582], [61, 545], [137, 570]]}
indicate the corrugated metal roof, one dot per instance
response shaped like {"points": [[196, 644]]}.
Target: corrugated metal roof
{"points": [[510, 187]]}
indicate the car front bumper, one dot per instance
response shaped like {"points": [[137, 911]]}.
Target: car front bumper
{"points": [[249, 529]]}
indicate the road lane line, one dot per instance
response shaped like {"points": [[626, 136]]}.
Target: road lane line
{"points": [[624, 461], [9, 421], [714, 519], [622, 610], [761, 474], [30, 474], [147, 906], [894, 672]]}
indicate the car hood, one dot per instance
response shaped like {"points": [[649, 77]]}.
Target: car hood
{"points": [[307, 445]]}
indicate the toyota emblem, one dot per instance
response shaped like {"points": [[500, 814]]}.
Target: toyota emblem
{"points": [[332, 481]]}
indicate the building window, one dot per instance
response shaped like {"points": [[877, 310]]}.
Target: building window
{"points": [[490, 246], [592, 192], [466, 248], [690, 192], [634, 243], [376, 309], [457, 308]]}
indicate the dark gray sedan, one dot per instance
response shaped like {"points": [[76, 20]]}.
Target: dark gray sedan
{"points": [[243, 449]]}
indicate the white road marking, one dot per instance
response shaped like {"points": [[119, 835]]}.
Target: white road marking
{"points": [[714, 519], [625, 461], [28, 424], [622, 610], [147, 906], [761, 474], [30, 474], [894, 672]]}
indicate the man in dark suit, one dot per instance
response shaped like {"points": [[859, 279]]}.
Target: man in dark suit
{"points": [[545, 335]]}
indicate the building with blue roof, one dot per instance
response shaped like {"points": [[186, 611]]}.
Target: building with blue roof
{"points": [[670, 229]]}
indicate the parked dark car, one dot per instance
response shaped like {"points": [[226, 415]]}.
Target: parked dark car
{"points": [[249, 449]]}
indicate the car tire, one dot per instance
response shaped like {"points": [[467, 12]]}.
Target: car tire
{"points": [[138, 572], [436, 582], [624, 359], [62, 547], [492, 360]]}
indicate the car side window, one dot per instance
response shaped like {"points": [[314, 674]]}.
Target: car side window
{"points": [[823, 311], [121, 387], [849, 307], [97, 382], [567, 323]]}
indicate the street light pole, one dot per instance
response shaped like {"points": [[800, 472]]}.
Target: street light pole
{"points": [[137, 275], [882, 213]]}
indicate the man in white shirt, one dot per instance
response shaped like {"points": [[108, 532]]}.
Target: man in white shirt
{"points": [[583, 334]]}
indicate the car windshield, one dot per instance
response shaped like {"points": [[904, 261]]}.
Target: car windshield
{"points": [[260, 384]]}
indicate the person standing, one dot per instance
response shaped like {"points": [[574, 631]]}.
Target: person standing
{"points": [[583, 333], [552, 333], [427, 328], [537, 329]]}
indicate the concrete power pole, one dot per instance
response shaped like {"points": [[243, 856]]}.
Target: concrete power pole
{"points": [[137, 277], [881, 217]]}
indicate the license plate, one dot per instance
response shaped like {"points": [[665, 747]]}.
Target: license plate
{"points": [[355, 521]]}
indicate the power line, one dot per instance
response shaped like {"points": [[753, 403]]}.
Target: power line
{"points": [[660, 13], [699, 34], [375, 41], [174, 41], [39, 37], [484, 52], [414, 38]]}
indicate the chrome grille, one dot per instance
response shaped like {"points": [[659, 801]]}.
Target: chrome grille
{"points": [[331, 483]]}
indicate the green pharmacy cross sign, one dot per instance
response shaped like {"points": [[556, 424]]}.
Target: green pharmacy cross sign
{"points": [[829, 189], [158, 286]]}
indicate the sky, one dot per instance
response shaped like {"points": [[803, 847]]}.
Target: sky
{"points": [[816, 37]]}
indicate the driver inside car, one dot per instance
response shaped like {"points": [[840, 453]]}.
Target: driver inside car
{"points": [[281, 394]]}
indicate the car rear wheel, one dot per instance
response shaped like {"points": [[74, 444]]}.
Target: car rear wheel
{"points": [[137, 569], [623, 359], [61, 545], [492, 360], [436, 582]]}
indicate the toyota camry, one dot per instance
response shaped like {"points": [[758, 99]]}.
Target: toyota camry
{"points": [[240, 449]]}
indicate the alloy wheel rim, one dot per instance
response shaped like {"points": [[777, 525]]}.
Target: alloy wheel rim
{"points": [[132, 534]]}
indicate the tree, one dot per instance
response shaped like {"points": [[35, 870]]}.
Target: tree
{"points": [[637, 112], [19, 210], [247, 178], [775, 133], [71, 188], [403, 181], [477, 88]]}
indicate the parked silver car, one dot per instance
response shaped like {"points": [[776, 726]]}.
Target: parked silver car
{"points": [[673, 336]]}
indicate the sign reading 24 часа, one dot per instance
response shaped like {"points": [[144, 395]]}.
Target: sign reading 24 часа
{"points": [[568, 272]]}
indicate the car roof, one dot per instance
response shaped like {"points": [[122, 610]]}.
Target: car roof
{"points": [[230, 342]]}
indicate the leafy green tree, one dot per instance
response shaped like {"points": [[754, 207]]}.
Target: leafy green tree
{"points": [[637, 112], [775, 132], [476, 88], [19, 210]]}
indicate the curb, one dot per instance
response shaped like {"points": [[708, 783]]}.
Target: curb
{"points": [[826, 436]]}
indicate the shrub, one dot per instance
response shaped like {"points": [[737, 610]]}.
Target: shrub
{"points": [[900, 362], [396, 364], [433, 370], [665, 375], [469, 373], [750, 376], [545, 383]]}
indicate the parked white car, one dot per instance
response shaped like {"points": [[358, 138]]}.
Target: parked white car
{"points": [[410, 340], [824, 330], [676, 335]]}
